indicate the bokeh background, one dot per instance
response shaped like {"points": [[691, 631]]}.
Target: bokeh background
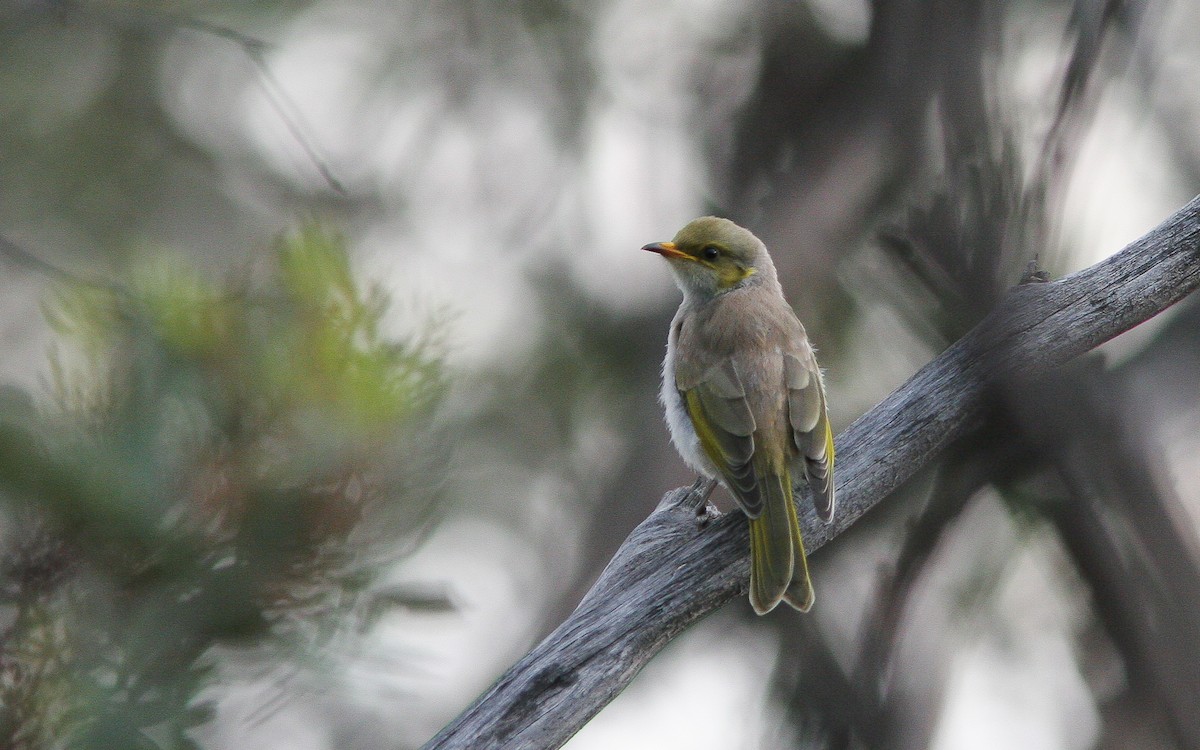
{"points": [[493, 168]]}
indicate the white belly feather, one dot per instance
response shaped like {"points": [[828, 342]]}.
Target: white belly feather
{"points": [[683, 434]]}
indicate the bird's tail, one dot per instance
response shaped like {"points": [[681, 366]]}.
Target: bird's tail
{"points": [[778, 565]]}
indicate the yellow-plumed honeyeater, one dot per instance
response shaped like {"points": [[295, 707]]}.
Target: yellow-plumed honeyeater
{"points": [[744, 399]]}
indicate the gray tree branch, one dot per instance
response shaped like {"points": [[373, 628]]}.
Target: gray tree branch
{"points": [[678, 566]]}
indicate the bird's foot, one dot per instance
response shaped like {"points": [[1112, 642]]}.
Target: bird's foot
{"points": [[705, 511]]}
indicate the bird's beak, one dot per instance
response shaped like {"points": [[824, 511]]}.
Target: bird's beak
{"points": [[667, 250]]}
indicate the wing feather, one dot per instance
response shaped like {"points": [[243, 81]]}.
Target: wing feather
{"points": [[811, 432], [725, 424]]}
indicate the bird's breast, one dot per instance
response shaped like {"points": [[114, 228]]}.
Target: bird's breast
{"points": [[679, 422]]}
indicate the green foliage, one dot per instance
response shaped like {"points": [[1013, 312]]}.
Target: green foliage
{"points": [[211, 450]]}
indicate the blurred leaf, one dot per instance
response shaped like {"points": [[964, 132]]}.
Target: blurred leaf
{"points": [[213, 447]]}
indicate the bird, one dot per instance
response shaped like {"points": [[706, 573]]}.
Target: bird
{"points": [[744, 397]]}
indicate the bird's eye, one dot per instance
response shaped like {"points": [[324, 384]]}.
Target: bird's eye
{"points": [[710, 252]]}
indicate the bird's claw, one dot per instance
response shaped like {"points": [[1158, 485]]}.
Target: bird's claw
{"points": [[705, 511]]}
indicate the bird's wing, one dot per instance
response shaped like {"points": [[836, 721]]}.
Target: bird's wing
{"points": [[811, 432], [721, 415]]}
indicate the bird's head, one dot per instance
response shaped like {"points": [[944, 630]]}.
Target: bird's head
{"points": [[712, 255]]}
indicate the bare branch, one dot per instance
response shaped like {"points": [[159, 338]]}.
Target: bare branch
{"points": [[672, 570]]}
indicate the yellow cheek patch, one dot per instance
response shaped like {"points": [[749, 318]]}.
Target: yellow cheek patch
{"points": [[729, 275]]}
